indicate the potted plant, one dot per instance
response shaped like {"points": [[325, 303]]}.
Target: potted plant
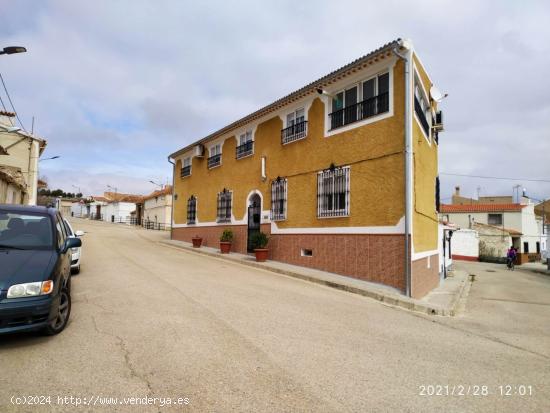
{"points": [[197, 241], [259, 243], [225, 241]]}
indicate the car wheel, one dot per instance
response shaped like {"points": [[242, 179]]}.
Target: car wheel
{"points": [[76, 270], [57, 325]]}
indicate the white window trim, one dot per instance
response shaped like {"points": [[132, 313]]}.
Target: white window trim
{"points": [[417, 81], [285, 207], [252, 139], [348, 200], [231, 219], [381, 69], [210, 154]]}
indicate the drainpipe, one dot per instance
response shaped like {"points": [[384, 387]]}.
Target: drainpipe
{"points": [[407, 57], [173, 196]]}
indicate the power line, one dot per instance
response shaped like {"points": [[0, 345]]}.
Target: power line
{"points": [[497, 177], [11, 103]]}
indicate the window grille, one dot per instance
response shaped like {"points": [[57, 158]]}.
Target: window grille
{"points": [[224, 206], [278, 199], [192, 210], [333, 192]]}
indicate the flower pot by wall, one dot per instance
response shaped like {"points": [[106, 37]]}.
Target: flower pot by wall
{"points": [[225, 247], [197, 241], [261, 254]]}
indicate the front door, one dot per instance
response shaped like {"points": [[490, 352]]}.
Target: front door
{"points": [[254, 213]]}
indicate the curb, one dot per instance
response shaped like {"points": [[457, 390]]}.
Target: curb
{"points": [[388, 299]]}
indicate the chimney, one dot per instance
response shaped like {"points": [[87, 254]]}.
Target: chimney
{"points": [[457, 190]]}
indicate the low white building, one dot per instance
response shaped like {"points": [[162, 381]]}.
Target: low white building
{"points": [[113, 207], [157, 208], [465, 245], [516, 219]]}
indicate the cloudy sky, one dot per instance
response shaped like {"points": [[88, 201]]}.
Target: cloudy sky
{"points": [[115, 86]]}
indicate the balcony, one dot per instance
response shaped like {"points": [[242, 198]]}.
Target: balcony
{"points": [[186, 171], [214, 160], [245, 149], [359, 111], [294, 132], [421, 116]]}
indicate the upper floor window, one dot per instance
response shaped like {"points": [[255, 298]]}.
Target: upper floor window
{"points": [[494, 219], [422, 108], [186, 167], [278, 199], [333, 192], [224, 206], [296, 126], [246, 145], [192, 210], [361, 101], [215, 158]]}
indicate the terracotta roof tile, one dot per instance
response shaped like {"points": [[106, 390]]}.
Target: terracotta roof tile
{"points": [[167, 190], [445, 209]]}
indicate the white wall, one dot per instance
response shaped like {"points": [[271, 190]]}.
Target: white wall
{"points": [[161, 207], [118, 210], [465, 242]]}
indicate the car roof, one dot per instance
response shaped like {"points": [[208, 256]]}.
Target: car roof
{"points": [[33, 209]]}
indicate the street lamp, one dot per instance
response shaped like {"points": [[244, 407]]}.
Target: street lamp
{"points": [[78, 188], [13, 50], [113, 188], [154, 183], [47, 159]]}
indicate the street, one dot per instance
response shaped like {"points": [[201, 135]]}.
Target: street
{"points": [[151, 320]]}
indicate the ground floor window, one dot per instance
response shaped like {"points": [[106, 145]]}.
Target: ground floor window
{"points": [[526, 247], [333, 192], [224, 206], [278, 199], [191, 210]]}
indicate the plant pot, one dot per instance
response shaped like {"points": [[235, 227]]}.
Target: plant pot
{"points": [[197, 241], [261, 254], [225, 247]]}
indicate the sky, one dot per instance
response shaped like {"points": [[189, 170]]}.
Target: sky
{"points": [[115, 86]]}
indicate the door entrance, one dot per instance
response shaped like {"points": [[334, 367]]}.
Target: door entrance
{"points": [[254, 213]]}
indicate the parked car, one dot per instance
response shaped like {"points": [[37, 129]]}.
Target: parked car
{"points": [[77, 251], [35, 262]]}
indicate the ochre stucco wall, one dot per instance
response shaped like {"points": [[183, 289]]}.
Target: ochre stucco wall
{"points": [[425, 173], [374, 151]]}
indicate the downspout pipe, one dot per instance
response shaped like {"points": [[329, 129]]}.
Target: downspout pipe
{"points": [[173, 197], [407, 57]]}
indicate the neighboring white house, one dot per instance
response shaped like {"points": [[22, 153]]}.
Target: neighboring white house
{"points": [[114, 207], [465, 245], [19, 154], [157, 208], [516, 219]]}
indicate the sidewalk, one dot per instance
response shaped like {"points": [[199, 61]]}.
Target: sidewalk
{"points": [[441, 301], [537, 267]]}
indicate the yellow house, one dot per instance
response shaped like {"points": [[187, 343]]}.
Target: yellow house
{"points": [[342, 175]]}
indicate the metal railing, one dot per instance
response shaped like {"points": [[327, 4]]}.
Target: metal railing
{"points": [[214, 160], [185, 171], [294, 132], [359, 111], [244, 150], [421, 116]]}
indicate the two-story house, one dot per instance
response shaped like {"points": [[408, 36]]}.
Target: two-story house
{"points": [[341, 173], [157, 208], [19, 155]]}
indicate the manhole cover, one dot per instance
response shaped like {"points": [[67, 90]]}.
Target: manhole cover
{"points": [[490, 270]]}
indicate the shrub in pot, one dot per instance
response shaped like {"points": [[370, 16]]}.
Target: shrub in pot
{"points": [[259, 243], [197, 241], [225, 241]]}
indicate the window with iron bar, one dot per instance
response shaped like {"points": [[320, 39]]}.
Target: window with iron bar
{"points": [[191, 210], [333, 192], [224, 206], [278, 199]]}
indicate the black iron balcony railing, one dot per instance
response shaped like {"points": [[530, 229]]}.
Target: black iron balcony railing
{"points": [[244, 150], [214, 160], [294, 132], [359, 111], [421, 116], [186, 171]]}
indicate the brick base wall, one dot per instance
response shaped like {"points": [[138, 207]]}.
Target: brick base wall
{"points": [[424, 277], [464, 258], [370, 257]]}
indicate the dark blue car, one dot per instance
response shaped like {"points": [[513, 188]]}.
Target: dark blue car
{"points": [[35, 275]]}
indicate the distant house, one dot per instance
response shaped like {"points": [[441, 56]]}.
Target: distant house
{"points": [[501, 225], [19, 154], [157, 208], [114, 207]]}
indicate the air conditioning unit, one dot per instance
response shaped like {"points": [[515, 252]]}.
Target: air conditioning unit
{"points": [[199, 150], [438, 124]]}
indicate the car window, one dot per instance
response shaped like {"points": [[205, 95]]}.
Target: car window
{"points": [[68, 228], [60, 232], [25, 230]]}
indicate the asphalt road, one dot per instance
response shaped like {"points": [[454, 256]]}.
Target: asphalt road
{"points": [[153, 321]]}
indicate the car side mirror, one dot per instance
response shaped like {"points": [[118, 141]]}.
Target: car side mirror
{"points": [[79, 233], [72, 243]]}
